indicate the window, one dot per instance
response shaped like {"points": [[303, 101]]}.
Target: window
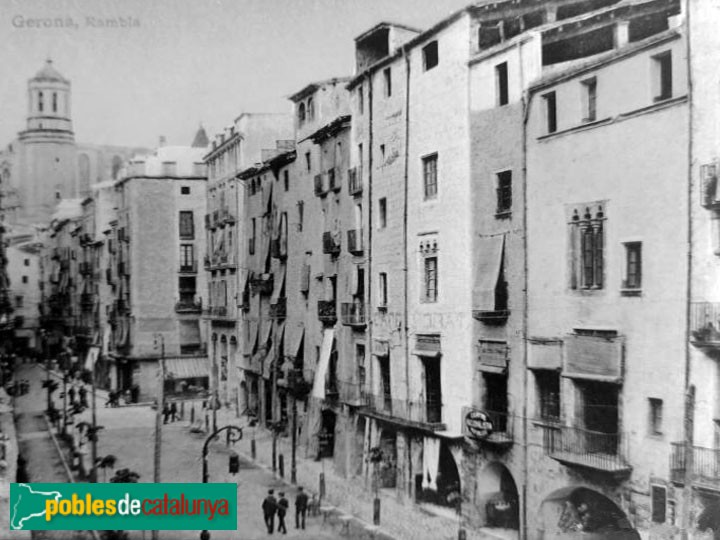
{"points": [[286, 180], [187, 256], [385, 388], [361, 100], [187, 288], [41, 105], [301, 114], [548, 395], [590, 99], [187, 229], [501, 83], [185, 190], [496, 399], [633, 266], [24, 279], [587, 247], [430, 176], [382, 154], [382, 290], [253, 232], [431, 279], [551, 111], [662, 67], [54, 102], [658, 495], [382, 211], [310, 110], [656, 416], [301, 215], [19, 301], [360, 155], [430, 55], [504, 192], [169, 168], [308, 162], [26, 262], [387, 77]]}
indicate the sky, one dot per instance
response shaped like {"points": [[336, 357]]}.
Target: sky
{"points": [[180, 63]]}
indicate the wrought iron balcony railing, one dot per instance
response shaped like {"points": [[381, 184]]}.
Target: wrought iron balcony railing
{"points": [[331, 243], [188, 267], [705, 324], [355, 241], [705, 472], [425, 413], [353, 314], [188, 306], [327, 312], [279, 309]]}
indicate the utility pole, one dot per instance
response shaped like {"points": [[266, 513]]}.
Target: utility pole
{"points": [[158, 415], [293, 465]]}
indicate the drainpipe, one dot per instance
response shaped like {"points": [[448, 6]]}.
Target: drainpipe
{"points": [[689, 402], [369, 375], [526, 109], [405, 253]]}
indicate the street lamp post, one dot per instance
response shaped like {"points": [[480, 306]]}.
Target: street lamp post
{"points": [[158, 415], [235, 433]]}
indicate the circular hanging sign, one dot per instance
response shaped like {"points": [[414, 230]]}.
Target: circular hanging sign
{"points": [[478, 424]]}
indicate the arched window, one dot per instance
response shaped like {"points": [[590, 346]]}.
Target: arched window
{"points": [[301, 113], [310, 109], [40, 102], [54, 102], [116, 166]]}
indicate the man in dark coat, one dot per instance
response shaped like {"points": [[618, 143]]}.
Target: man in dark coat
{"points": [[71, 394], [301, 504], [282, 508], [83, 396], [269, 507]]}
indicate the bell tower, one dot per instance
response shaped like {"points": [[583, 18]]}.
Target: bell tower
{"points": [[48, 155]]}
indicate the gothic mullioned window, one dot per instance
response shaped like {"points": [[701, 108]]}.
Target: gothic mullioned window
{"points": [[587, 246]]}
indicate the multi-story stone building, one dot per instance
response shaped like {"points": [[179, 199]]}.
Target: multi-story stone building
{"points": [[154, 244], [240, 146]]}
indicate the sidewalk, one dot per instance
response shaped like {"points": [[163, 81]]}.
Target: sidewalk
{"points": [[399, 521]]}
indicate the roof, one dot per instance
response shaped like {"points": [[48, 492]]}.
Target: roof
{"points": [[386, 24], [312, 87], [49, 73], [201, 139]]}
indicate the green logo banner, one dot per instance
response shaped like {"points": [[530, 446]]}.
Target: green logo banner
{"points": [[149, 507]]}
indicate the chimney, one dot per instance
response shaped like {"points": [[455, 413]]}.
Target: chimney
{"points": [[622, 34], [161, 141]]}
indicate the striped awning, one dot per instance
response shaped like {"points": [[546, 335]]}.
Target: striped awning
{"points": [[186, 368]]}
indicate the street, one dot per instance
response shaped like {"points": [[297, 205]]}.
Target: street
{"points": [[128, 435]]}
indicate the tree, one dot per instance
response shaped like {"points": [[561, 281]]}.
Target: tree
{"points": [[125, 476], [105, 463]]}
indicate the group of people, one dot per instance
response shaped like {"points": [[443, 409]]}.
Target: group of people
{"points": [[82, 396], [272, 506], [170, 411]]}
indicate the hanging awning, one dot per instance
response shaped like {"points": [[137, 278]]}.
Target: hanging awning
{"points": [[265, 329], [91, 358], [278, 283], [294, 339], [268, 362], [107, 333], [318, 389], [267, 196], [243, 282], [488, 271], [252, 337], [545, 354], [380, 347], [492, 356], [186, 368]]}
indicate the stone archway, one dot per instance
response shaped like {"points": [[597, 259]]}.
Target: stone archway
{"points": [[497, 498], [580, 512]]}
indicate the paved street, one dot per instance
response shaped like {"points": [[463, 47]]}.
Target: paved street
{"points": [[128, 435]]}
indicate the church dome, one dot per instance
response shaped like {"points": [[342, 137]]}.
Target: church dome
{"points": [[49, 73]]}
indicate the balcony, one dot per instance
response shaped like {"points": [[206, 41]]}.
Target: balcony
{"points": [[705, 466], [355, 186], [299, 382], [353, 314], [489, 427], [206, 262], [355, 241], [351, 393], [423, 414], [705, 324], [331, 243], [327, 312], [320, 185], [585, 449], [122, 269], [262, 283], [220, 311], [279, 310], [122, 305], [496, 317], [333, 180], [225, 216], [188, 267], [188, 306]]}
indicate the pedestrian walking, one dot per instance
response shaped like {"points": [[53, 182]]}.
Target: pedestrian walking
{"points": [[282, 509], [71, 394], [165, 413], [82, 393], [269, 507], [301, 505], [173, 412]]}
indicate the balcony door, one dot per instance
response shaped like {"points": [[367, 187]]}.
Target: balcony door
{"points": [[598, 413], [433, 390]]}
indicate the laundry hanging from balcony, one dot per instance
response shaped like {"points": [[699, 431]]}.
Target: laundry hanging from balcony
{"points": [[318, 390], [490, 251], [431, 462]]}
